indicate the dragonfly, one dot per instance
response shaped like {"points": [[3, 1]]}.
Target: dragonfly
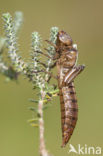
{"points": [[68, 70], [66, 56]]}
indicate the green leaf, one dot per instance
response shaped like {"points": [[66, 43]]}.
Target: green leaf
{"points": [[33, 109], [32, 100], [33, 120], [46, 106], [34, 125]]}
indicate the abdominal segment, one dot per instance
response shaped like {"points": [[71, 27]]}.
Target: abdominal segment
{"points": [[69, 111]]}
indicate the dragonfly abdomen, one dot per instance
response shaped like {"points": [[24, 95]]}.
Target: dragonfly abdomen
{"points": [[69, 112]]}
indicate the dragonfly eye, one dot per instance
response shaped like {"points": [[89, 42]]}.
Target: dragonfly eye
{"points": [[65, 38]]}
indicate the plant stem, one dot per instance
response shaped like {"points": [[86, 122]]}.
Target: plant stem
{"points": [[42, 147]]}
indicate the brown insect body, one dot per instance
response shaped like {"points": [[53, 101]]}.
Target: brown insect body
{"points": [[67, 71]]}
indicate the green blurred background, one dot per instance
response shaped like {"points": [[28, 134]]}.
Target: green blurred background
{"points": [[83, 20]]}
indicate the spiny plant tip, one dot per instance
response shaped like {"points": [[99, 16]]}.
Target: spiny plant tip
{"points": [[53, 34], [6, 16], [36, 41]]}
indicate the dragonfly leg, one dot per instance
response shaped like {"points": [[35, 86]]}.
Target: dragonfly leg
{"points": [[40, 52], [49, 73], [70, 76], [51, 76], [55, 57], [44, 65], [52, 44]]}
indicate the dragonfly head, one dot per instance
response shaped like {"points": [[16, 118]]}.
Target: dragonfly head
{"points": [[64, 39]]}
